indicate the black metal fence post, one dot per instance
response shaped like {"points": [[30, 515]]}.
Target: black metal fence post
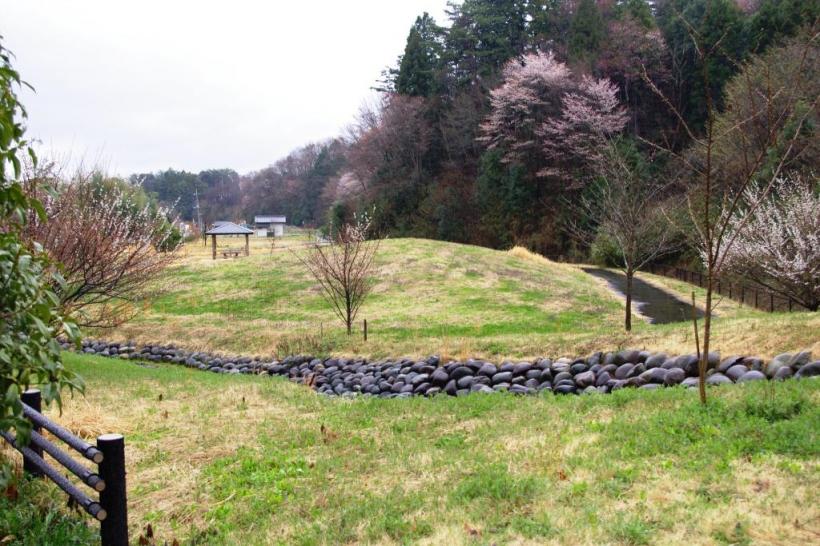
{"points": [[33, 399], [114, 528]]}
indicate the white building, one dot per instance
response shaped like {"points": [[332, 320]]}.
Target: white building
{"points": [[269, 226]]}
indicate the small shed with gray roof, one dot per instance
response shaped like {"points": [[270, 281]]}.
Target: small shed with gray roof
{"points": [[269, 225], [229, 228]]}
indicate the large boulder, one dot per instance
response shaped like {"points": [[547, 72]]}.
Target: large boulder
{"points": [[630, 356], [439, 377], [776, 364], [800, 359], [783, 373], [754, 363], [522, 368], [736, 372], [688, 363], [674, 376], [728, 362], [811, 369], [585, 379], [656, 360], [623, 371], [654, 375], [690, 382], [465, 382], [460, 372], [751, 375], [718, 379]]}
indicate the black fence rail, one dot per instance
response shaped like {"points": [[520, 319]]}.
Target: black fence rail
{"points": [[108, 481], [743, 293]]}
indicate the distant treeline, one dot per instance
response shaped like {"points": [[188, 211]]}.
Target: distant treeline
{"points": [[428, 159]]}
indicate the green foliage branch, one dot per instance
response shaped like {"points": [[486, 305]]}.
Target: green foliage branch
{"points": [[30, 320]]}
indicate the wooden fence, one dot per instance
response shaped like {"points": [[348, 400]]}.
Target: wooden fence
{"points": [[108, 481], [743, 293]]}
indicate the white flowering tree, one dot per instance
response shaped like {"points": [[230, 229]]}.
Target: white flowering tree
{"points": [[768, 128], [110, 241], [777, 245]]}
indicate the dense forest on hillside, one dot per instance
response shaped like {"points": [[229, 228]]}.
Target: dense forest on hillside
{"points": [[488, 121]]}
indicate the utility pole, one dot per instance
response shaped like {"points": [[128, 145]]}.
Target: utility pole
{"points": [[199, 214]]}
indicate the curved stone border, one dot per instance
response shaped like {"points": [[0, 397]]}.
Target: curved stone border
{"points": [[599, 372]]}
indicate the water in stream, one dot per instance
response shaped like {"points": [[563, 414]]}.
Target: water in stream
{"points": [[659, 306]]}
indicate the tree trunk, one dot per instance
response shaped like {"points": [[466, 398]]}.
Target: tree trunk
{"points": [[628, 316], [707, 329], [348, 314]]}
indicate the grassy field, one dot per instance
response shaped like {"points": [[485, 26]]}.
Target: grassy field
{"points": [[430, 297], [218, 459]]}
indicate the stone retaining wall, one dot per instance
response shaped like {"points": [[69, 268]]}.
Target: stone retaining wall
{"points": [[599, 372]]}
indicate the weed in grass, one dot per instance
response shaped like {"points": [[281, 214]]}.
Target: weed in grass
{"points": [[735, 535], [495, 483], [774, 409], [537, 526], [450, 441], [304, 343], [631, 530]]}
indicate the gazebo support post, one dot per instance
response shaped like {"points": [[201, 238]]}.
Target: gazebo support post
{"points": [[213, 245], [247, 245]]}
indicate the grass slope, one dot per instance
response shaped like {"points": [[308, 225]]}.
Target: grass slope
{"points": [[430, 297], [246, 460]]}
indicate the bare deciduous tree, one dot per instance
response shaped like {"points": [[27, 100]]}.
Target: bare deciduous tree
{"points": [[743, 147], [344, 268], [623, 210], [110, 247], [778, 247]]}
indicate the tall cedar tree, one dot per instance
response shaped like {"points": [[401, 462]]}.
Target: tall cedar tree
{"points": [[416, 74], [587, 31]]}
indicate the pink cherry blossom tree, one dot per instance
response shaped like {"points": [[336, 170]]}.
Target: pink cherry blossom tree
{"points": [[548, 119]]}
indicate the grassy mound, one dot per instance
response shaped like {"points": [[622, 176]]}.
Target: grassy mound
{"points": [[430, 297], [246, 460]]}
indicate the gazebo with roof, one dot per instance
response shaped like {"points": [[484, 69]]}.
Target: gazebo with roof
{"points": [[228, 228]]}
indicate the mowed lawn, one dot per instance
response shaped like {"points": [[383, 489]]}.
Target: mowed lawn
{"points": [[216, 459], [430, 297]]}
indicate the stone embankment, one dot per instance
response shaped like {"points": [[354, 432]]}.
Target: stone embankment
{"points": [[393, 378]]}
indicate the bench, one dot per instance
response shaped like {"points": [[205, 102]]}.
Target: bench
{"points": [[232, 252]]}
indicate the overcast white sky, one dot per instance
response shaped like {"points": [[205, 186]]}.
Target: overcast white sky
{"points": [[146, 85]]}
